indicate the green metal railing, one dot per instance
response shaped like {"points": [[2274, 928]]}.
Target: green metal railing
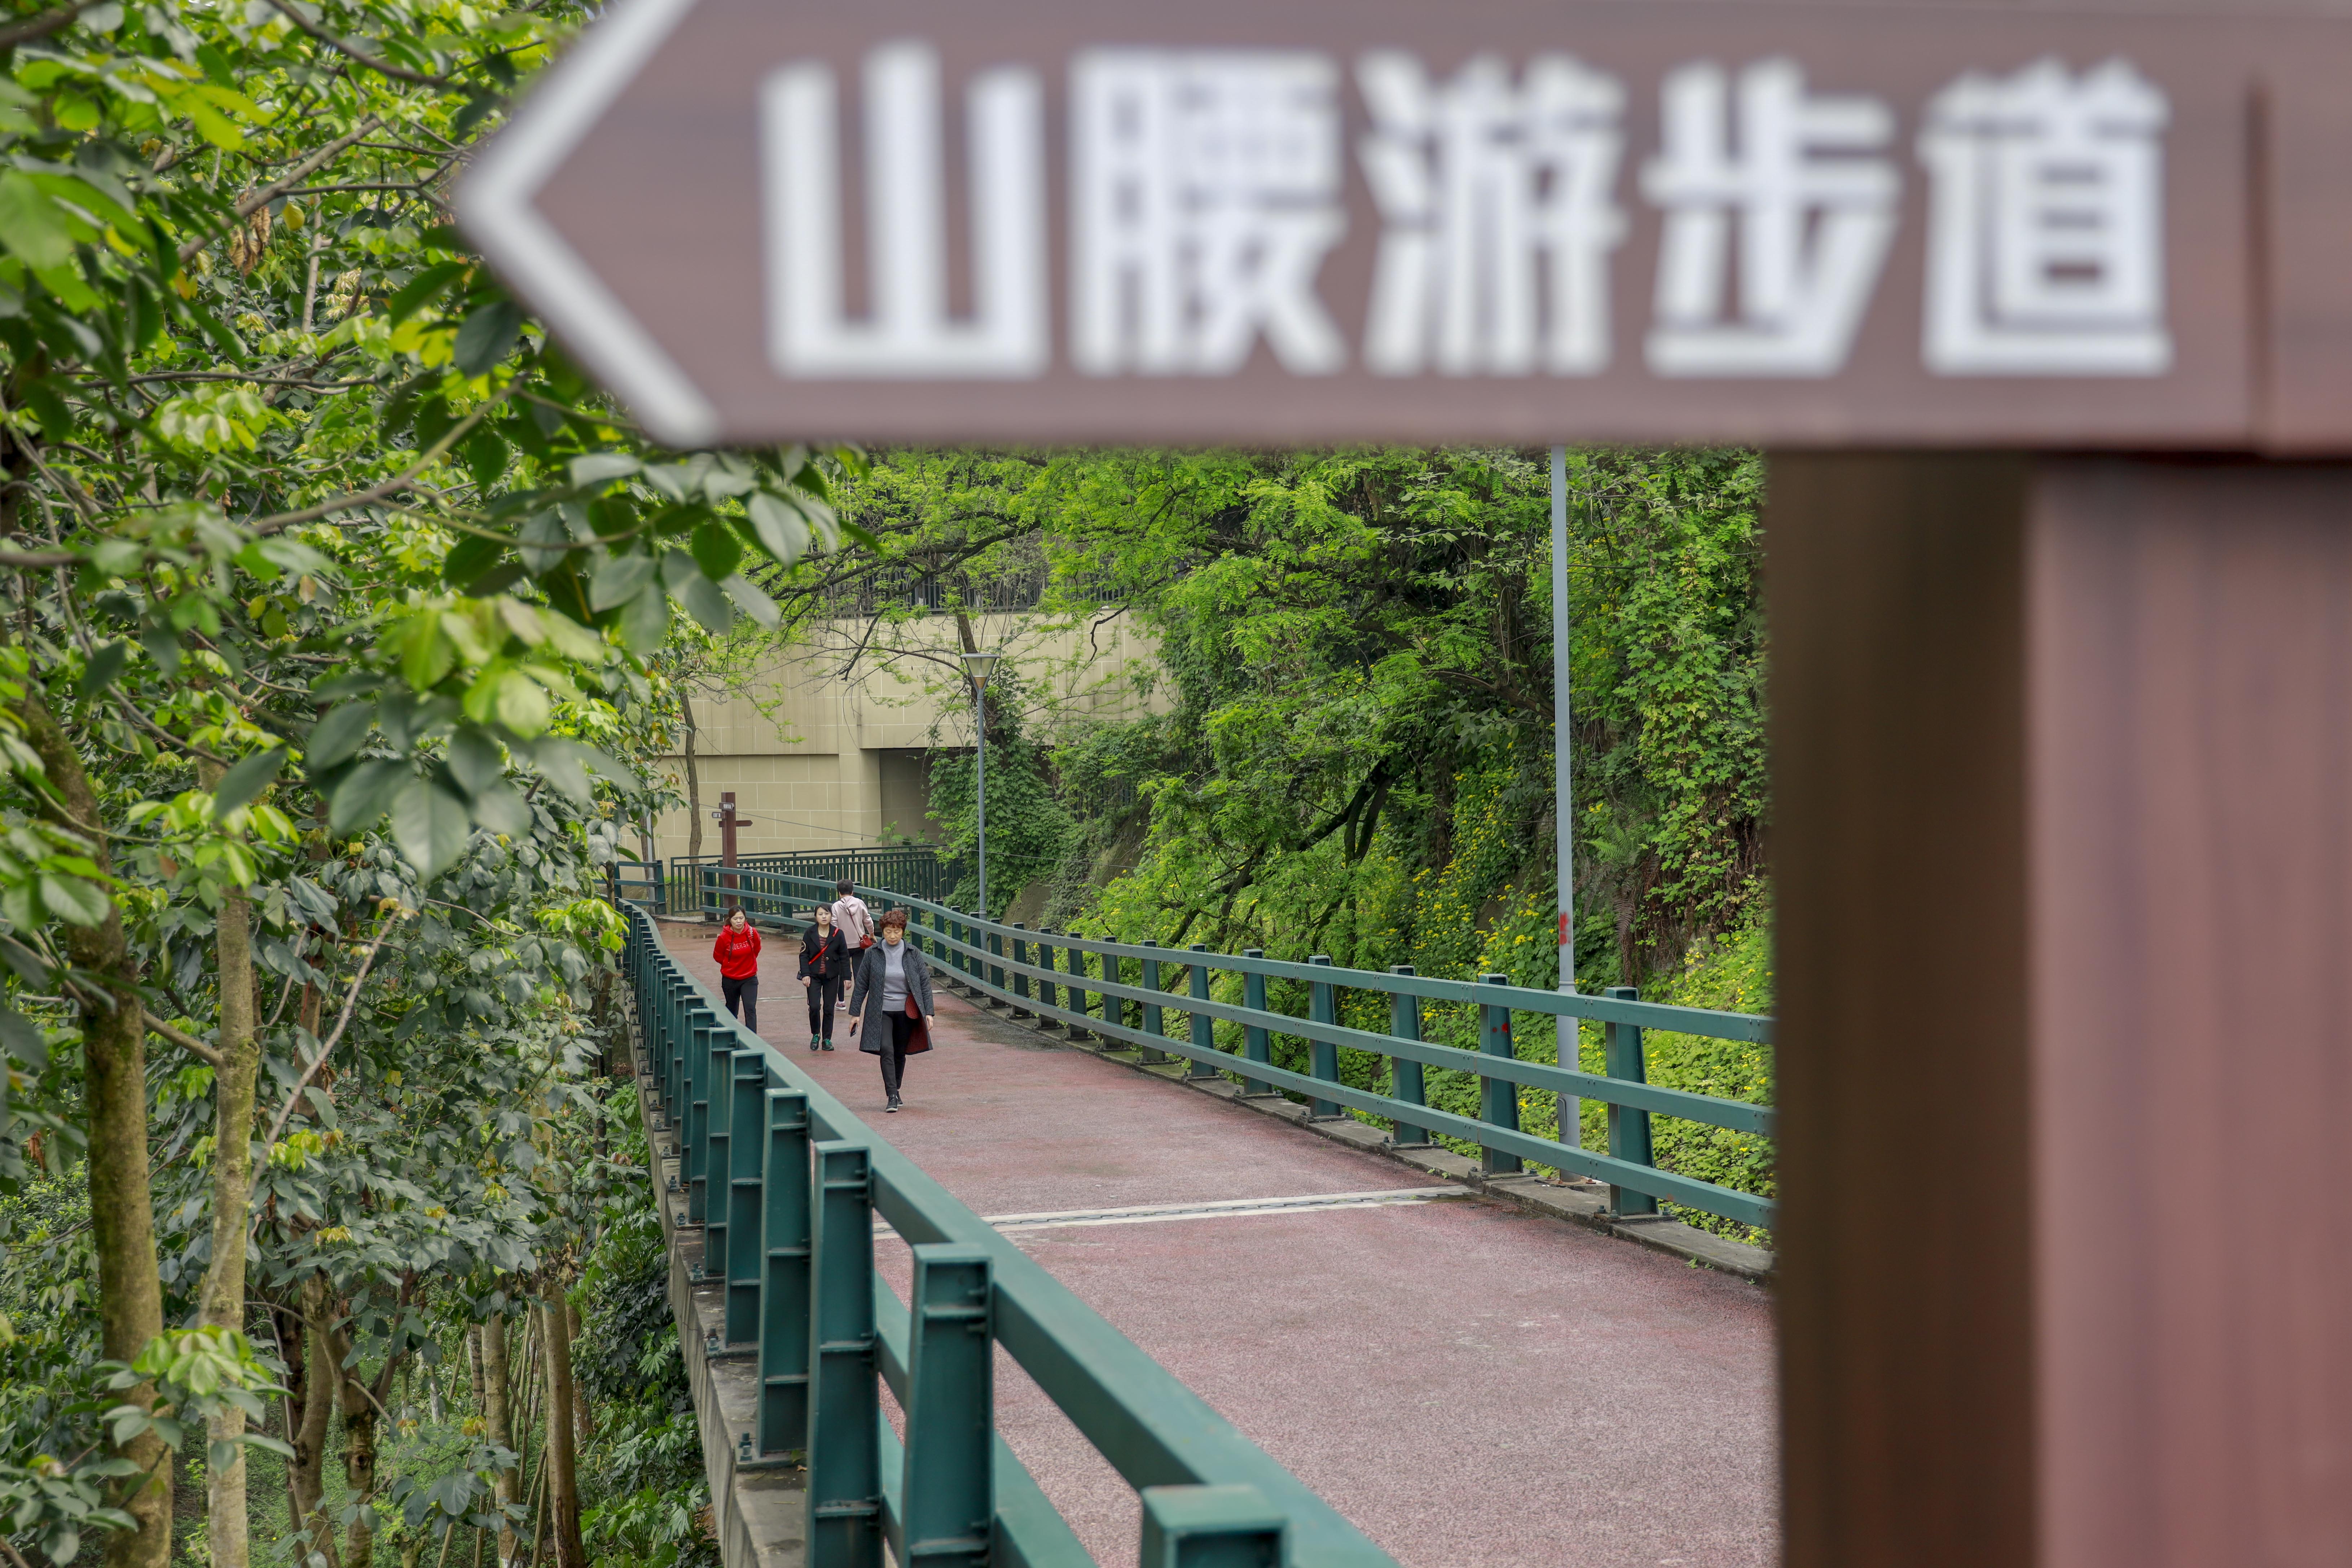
{"points": [[785, 1182], [1090, 993], [918, 872]]}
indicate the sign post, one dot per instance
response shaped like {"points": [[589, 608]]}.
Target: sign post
{"points": [[2046, 323]]}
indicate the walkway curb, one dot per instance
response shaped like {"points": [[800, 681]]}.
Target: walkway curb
{"points": [[1579, 1202]]}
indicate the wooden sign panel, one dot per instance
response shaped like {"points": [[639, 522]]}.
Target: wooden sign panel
{"points": [[1288, 221]]}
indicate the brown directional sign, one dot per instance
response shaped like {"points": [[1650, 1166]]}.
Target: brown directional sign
{"points": [[1289, 221]]}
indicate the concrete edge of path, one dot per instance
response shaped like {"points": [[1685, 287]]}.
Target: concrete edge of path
{"points": [[1579, 1202]]}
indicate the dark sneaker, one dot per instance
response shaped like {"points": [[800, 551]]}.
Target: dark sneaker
{"points": [[828, 1044], [893, 1105], [814, 1043]]}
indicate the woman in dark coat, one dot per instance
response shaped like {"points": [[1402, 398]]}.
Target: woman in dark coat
{"points": [[825, 968], [890, 975]]}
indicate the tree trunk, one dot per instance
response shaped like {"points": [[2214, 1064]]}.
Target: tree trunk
{"points": [[359, 1432], [306, 1474], [225, 1525], [693, 777], [583, 1419], [563, 1478], [497, 1425], [121, 1198]]}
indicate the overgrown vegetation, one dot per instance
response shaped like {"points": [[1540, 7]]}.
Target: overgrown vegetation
{"points": [[336, 613], [1345, 745]]}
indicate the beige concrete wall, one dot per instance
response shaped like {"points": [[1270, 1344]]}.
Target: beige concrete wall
{"points": [[818, 762]]}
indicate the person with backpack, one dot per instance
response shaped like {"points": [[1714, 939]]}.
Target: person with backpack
{"points": [[892, 998], [850, 913], [738, 953], [824, 965]]}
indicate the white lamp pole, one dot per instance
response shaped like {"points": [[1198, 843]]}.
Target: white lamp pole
{"points": [[1563, 803], [976, 667]]}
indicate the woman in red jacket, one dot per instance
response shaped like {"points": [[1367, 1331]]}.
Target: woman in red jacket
{"points": [[738, 953]]}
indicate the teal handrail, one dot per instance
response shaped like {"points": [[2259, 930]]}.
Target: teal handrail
{"points": [[989, 956], [785, 1181]]}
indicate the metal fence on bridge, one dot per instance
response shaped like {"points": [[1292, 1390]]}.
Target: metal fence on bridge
{"points": [[675, 884], [785, 1182], [1090, 994]]}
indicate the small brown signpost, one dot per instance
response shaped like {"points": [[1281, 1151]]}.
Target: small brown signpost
{"points": [[2047, 320]]}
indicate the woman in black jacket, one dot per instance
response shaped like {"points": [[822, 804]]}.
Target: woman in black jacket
{"points": [[824, 965], [893, 999]]}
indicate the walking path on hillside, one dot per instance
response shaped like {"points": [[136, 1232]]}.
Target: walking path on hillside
{"points": [[1473, 1386]]}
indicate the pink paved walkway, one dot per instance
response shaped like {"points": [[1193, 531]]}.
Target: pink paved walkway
{"points": [[1472, 1386]]}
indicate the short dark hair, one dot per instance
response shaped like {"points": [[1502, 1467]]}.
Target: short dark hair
{"points": [[842, 887], [895, 918]]}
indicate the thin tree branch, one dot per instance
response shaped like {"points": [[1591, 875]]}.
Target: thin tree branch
{"points": [[181, 1037], [292, 177], [351, 1000], [390, 487], [358, 55], [26, 32]]}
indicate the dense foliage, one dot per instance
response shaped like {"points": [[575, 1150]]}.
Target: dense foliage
{"points": [[334, 615], [1348, 737]]}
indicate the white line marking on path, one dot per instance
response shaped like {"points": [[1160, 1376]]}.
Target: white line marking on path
{"points": [[1220, 1208]]}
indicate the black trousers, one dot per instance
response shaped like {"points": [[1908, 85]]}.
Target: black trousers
{"points": [[823, 994], [742, 998], [894, 1054]]}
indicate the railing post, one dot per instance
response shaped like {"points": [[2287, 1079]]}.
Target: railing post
{"points": [[1255, 1044], [949, 1495], [671, 1012], [746, 1160], [1205, 1032], [1045, 989], [1404, 1073], [717, 1168], [784, 1282], [1323, 1057], [995, 970], [1628, 1130], [1152, 1021], [1211, 1527], [695, 1073], [845, 1459], [1498, 1098], [1078, 1032], [1020, 981]]}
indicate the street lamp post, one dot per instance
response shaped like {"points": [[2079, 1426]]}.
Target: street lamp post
{"points": [[976, 667]]}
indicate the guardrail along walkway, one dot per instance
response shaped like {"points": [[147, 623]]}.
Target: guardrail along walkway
{"points": [[1468, 1385]]}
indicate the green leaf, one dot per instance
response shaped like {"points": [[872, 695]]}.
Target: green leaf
{"points": [[105, 662], [486, 337], [620, 579], [248, 779], [365, 796], [474, 759], [422, 289], [716, 551], [783, 531], [559, 759], [73, 900], [501, 809], [427, 655], [598, 467], [431, 827], [337, 737], [470, 559], [21, 1039], [704, 601], [30, 224], [644, 621], [753, 602], [487, 456]]}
